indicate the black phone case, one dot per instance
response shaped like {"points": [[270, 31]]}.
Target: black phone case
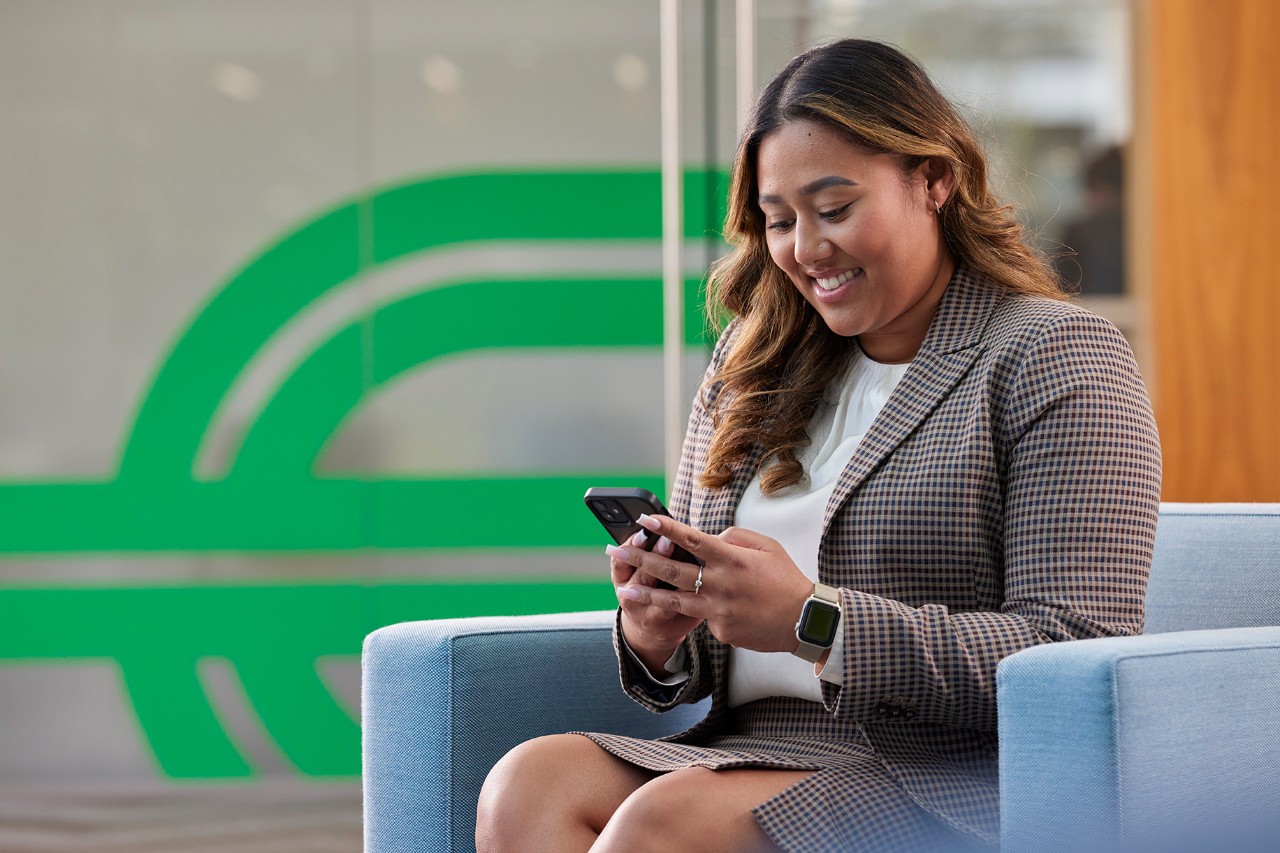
{"points": [[617, 510]]}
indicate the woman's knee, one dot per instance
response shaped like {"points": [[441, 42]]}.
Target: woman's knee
{"points": [[667, 798], [665, 814], [522, 778], [552, 785], [697, 809]]}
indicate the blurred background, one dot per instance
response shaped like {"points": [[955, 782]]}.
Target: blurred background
{"points": [[317, 315]]}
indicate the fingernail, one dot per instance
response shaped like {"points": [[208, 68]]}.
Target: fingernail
{"points": [[623, 554], [639, 539], [628, 593], [664, 547], [649, 522]]}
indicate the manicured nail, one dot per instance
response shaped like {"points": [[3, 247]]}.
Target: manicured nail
{"points": [[639, 539], [664, 547], [649, 522], [626, 555], [628, 593]]}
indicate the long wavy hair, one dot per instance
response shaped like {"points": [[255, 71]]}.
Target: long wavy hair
{"points": [[783, 356]]}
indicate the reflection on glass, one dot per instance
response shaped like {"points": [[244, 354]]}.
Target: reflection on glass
{"points": [[1097, 235]]}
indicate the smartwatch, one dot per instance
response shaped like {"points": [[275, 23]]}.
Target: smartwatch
{"points": [[819, 621]]}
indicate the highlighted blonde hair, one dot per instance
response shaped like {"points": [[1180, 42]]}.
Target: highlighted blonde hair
{"points": [[784, 356]]}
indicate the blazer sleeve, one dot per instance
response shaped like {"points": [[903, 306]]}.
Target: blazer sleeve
{"points": [[694, 451], [1080, 457]]}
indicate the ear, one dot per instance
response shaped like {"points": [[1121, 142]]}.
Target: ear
{"points": [[939, 179]]}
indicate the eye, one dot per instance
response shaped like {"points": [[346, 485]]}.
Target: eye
{"points": [[780, 226], [832, 215]]}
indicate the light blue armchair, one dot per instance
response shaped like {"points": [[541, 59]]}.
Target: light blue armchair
{"points": [[1168, 741]]}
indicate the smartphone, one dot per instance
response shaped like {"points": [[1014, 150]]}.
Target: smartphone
{"points": [[618, 509]]}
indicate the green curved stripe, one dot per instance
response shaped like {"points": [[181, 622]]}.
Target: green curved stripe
{"points": [[290, 433], [317, 736], [240, 318], [273, 288], [300, 409], [185, 735]]}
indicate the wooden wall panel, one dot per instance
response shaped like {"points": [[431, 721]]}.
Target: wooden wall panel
{"points": [[1208, 141]]}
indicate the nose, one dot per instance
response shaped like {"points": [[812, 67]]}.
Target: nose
{"points": [[810, 247]]}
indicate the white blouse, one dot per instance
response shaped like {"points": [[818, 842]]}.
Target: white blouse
{"points": [[794, 517]]}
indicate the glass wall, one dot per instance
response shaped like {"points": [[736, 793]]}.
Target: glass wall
{"points": [[321, 314], [315, 315]]}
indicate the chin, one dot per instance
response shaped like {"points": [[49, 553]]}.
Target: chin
{"points": [[845, 327]]}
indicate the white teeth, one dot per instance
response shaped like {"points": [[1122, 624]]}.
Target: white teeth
{"points": [[833, 283]]}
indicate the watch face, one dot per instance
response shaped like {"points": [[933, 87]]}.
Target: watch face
{"points": [[818, 623]]}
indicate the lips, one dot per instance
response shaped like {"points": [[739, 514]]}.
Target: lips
{"points": [[833, 288]]}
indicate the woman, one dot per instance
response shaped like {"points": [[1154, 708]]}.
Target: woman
{"points": [[910, 457]]}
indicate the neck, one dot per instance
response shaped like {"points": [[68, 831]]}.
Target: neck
{"points": [[900, 345]]}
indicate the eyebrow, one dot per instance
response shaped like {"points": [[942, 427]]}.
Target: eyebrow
{"points": [[812, 187]]}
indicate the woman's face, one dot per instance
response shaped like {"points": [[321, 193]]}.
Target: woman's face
{"points": [[860, 240]]}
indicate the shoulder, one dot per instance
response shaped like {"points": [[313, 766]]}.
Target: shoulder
{"points": [[1007, 327], [1024, 327], [1030, 350], [725, 342], [1044, 354]]}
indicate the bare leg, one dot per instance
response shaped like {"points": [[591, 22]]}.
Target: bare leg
{"points": [[553, 793], [696, 810]]}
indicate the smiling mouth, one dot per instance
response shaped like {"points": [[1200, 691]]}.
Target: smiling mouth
{"points": [[833, 283]]}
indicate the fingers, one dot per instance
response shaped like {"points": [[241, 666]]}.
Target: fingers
{"points": [[637, 574], [705, 548], [673, 601], [658, 567], [621, 573], [750, 593], [663, 545]]}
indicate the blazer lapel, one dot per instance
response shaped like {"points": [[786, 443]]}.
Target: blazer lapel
{"points": [[948, 351], [713, 510]]}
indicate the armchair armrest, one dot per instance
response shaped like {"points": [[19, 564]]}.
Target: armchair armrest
{"points": [[1163, 742], [444, 700]]}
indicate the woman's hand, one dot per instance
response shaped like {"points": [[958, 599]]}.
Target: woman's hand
{"points": [[751, 594], [652, 632]]}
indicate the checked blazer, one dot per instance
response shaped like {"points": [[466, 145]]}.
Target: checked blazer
{"points": [[1005, 496]]}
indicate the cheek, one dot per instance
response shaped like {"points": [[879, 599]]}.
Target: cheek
{"points": [[872, 234], [780, 250]]}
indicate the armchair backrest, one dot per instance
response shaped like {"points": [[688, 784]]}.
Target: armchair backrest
{"points": [[1216, 565]]}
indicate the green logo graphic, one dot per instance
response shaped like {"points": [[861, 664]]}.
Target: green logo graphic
{"points": [[271, 498]]}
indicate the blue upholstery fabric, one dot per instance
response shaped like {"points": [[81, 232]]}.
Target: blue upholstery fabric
{"points": [[1164, 742], [1215, 566], [444, 700]]}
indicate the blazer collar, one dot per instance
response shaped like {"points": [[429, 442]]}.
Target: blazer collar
{"points": [[963, 314], [949, 350]]}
